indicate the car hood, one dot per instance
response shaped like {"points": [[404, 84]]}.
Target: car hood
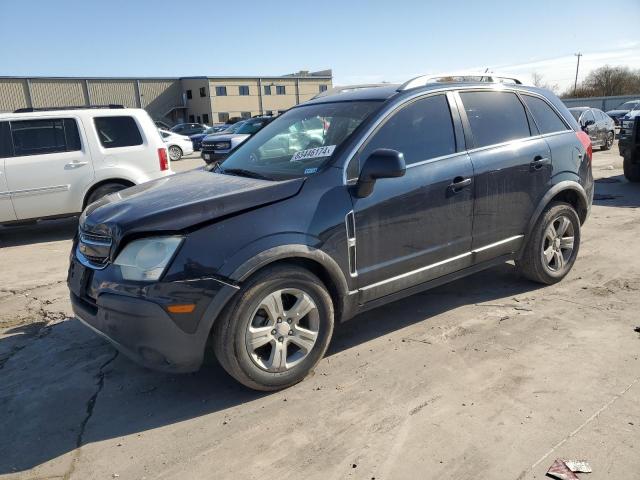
{"points": [[616, 113], [227, 136], [181, 201], [198, 136]]}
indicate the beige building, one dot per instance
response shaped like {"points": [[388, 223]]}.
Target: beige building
{"points": [[172, 100]]}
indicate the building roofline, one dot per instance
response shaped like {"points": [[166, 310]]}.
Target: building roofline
{"points": [[205, 77]]}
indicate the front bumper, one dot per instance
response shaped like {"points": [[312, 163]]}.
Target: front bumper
{"points": [[134, 318]]}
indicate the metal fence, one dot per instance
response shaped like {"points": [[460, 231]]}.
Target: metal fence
{"points": [[603, 103]]}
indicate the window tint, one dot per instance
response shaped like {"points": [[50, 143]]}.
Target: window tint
{"points": [[243, 90], [280, 90], [495, 117], [221, 91], [267, 89], [37, 137], [545, 117], [6, 147], [116, 132], [421, 130]]}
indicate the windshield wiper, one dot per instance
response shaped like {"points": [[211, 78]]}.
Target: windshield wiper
{"points": [[241, 172]]}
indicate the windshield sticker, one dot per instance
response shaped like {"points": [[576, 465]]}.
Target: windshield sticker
{"points": [[309, 171], [313, 153]]}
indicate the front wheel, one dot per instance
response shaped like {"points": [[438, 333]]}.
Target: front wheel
{"points": [[276, 329], [553, 245], [175, 153], [608, 141]]}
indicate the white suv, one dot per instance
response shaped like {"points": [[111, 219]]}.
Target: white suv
{"points": [[54, 162]]}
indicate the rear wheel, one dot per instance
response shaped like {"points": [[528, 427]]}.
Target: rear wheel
{"points": [[175, 153], [553, 245], [104, 190], [608, 141], [631, 170], [276, 329]]}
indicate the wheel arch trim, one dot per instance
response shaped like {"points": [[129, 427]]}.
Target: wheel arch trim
{"points": [[562, 186]]}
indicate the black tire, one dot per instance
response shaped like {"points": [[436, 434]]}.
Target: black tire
{"points": [[103, 190], [608, 141], [533, 264], [631, 170], [230, 331], [175, 153]]}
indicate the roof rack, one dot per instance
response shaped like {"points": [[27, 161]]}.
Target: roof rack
{"points": [[52, 109], [459, 77]]}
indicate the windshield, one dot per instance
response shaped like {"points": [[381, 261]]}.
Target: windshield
{"points": [[628, 106], [576, 113], [300, 141], [251, 126]]}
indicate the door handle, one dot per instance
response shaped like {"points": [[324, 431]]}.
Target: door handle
{"points": [[459, 183], [538, 162], [75, 164]]}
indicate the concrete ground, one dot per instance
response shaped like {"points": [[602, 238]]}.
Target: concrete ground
{"points": [[490, 377]]}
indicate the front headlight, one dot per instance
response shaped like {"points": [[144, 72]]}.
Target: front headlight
{"points": [[146, 259], [222, 145]]}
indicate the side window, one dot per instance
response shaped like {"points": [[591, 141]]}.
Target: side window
{"points": [[422, 130], [587, 116], [223, 117], [6, 147], [115, 132], [38, 137], [545, 117], [495, 117]]}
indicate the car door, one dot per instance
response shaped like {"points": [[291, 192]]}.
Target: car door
{"points": [[7, 212], [417, 227], [50, 168], [512, 170], [588, 124]]}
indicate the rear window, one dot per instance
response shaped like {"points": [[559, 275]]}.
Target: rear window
{"points": [[495, 117], [547, 120], [39, 137], [115, 132]]}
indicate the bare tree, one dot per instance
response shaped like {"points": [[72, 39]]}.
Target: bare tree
{"points": [[538, 80], [608, 81]]}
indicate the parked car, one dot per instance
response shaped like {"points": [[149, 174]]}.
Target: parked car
{"points": [[597, 124], [216, 147], [622, 109], [55, 162], [178, 145], [629, 145], [188, 129], [259, 256], [196, 139]]}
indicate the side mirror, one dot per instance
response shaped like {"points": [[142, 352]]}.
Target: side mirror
{"points": [[382, 163], [588, 123]]}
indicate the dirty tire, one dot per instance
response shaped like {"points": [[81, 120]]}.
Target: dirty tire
{"points": [[533, 264], [631, 170], [230, 331], [608, 142], [103, 190]]}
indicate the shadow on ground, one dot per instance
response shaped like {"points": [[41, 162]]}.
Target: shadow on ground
{"points": [[616, 191], [68, 387], [44, 231]]}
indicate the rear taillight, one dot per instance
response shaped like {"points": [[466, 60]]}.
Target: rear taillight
{"points": [[586, 143], [163, 159]]}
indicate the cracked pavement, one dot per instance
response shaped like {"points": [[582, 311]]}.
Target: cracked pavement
{"points": [[487, 377]]}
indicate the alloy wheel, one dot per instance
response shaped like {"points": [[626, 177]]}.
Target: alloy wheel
{"points": [[283, 330], [175, 153], [557, 246]]}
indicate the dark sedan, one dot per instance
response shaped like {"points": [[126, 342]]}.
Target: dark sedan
{"points": [[597, 124], [621, 110], [197, 138], [189, 129]]}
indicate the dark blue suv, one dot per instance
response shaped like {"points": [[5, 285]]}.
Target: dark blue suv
{"points": [[342, 204]]}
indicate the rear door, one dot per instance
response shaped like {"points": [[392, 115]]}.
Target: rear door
{"points": [[50, 168], [512, 169], [417, 227], [7, 213]]}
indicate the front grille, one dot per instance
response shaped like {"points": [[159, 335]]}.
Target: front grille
{"points": [[93, 250]]}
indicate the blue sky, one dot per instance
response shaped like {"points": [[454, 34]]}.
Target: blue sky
{"points": [[362, 41]]}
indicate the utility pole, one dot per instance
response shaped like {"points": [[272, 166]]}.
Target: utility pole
{"points": [[575, 84]]}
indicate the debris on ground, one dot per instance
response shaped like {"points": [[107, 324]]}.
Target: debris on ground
{"points": [[567, 469], [637, 329]]}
